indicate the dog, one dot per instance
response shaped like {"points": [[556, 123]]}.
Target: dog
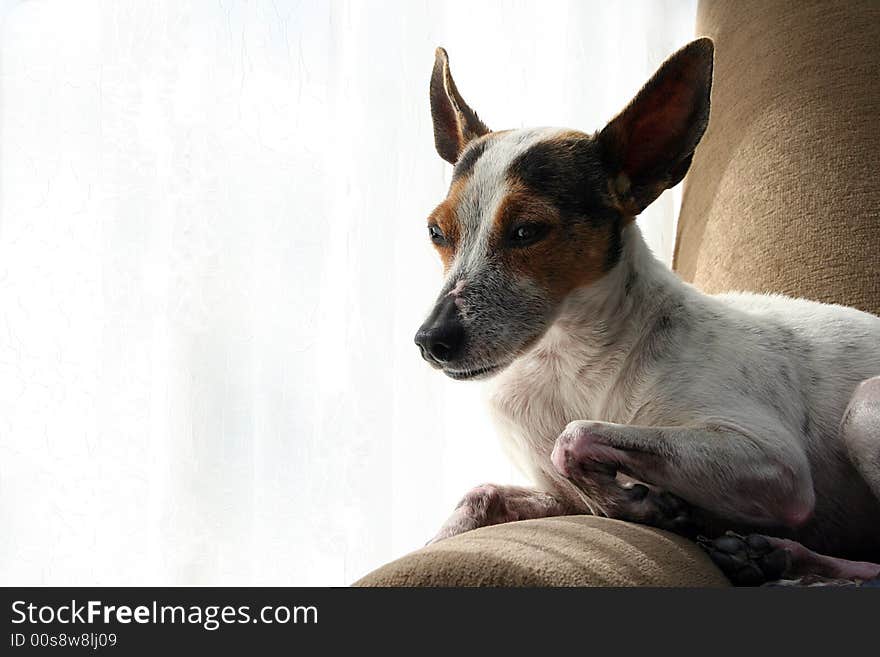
{"points": [[625, 392]]}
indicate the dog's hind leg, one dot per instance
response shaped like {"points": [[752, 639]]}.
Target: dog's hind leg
{"points": [[492, 505], [756, 559], [860, 431]]}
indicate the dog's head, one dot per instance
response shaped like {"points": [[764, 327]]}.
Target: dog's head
{"points": [[532, 215]]}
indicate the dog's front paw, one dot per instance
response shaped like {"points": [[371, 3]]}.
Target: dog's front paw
{"points": [[648, 506], [580, 452], [478, 508], [583, 453], [462, 520], [660, 509], [458, 523], [448, 530]]}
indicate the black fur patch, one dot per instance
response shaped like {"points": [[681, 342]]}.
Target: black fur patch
{"points": [[615, 244], [469, 158], [630, 281], [807, 426], [569, 173]]}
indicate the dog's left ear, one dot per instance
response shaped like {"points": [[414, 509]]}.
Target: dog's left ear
{"points": [[648, 147], [455, 124]]}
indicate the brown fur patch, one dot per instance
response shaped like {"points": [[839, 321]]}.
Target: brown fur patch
{"points": [[573, 254], [444, 215]]}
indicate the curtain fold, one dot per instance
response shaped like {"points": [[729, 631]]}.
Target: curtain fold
{"points": [[213, 258]]}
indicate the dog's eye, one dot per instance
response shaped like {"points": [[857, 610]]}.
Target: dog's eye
{"points": [[526, 234], [437, 235]]}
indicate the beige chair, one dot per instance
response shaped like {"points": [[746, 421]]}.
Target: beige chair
{"points": [[782, 197]]}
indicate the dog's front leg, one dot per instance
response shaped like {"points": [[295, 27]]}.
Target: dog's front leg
{"points": [[492, 505], [727, 473]]}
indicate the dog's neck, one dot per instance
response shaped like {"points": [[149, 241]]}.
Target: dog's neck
{"points": [[598, 332], [611, 314]]}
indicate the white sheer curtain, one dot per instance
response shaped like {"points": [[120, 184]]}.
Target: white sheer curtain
{"points": [[213, 258]]}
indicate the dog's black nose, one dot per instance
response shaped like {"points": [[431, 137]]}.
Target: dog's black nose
{"points": [[441, 337]]}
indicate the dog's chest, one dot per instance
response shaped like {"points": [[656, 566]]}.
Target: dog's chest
{"points": [[539, 394]]}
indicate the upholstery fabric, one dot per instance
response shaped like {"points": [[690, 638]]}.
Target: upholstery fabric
{"points": [[565, 551], [782, 195]]}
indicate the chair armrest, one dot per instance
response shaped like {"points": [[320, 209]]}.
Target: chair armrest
{"points": [[562, 551]]}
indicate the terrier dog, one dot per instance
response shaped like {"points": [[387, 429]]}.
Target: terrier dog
{"points": [[626, 392]]}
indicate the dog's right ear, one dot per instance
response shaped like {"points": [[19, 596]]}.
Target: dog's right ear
{"points": [[455, 124]]}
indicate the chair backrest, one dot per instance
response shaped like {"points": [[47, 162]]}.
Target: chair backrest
{"points": [[783, 195]]}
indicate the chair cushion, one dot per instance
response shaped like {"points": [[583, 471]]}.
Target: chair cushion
{"points": [[563, 551]]}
